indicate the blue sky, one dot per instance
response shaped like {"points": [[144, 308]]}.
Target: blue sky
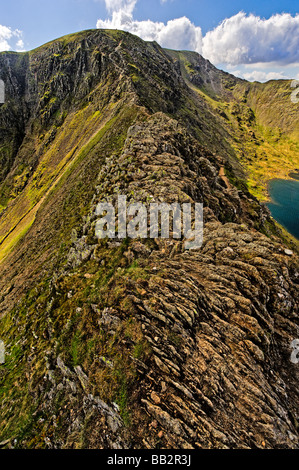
{"points": [[258, 39]]}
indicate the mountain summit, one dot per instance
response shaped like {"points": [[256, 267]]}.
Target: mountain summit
{"points": [[137, 343]]}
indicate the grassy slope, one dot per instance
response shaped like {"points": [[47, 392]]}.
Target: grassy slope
{"points": [[55, 198], [60, 209]]}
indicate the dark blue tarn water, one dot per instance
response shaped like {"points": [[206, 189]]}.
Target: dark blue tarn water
{"points": [[284, 206]]}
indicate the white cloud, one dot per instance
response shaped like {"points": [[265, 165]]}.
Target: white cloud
{"points": [[7, 35], [260, 76], [179, 33], [244, 39], [20, 45], [116, 5], [263, 72]]}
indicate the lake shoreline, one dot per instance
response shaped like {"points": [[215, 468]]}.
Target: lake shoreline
{"points": [[292, 176], [284, 203]]}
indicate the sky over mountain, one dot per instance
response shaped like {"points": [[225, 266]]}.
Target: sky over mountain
{"points": [[254, 40]]}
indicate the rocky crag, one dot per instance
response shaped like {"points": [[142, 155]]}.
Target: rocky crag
{"points": [[139, 343]]}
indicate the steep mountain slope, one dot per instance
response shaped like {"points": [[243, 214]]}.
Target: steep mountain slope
{"points": [[260, 118], [138, 343]]}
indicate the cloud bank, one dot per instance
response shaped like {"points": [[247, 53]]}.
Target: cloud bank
{"points": [[244, 39], [179, 33], [241, 39], [261, 76], [7, 35]]}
